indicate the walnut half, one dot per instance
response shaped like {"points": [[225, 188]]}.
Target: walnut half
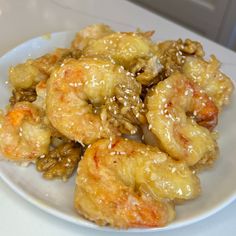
{"points": [[20, 95], [60, 162]]}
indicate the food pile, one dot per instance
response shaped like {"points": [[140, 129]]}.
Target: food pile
{"points": [[135, 118]]}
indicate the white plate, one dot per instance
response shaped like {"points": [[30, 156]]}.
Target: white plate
{"points": [[56, 197]]}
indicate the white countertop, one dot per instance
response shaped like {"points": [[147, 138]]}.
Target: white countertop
{"points": [[25, 19]]}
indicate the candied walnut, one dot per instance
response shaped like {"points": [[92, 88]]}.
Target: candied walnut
{"points": [[192, 47], [172, 54], [20, 95], [59, 162], [72, 53], [125, 110], [146, 70]]}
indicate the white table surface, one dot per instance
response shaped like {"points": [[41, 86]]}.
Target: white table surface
{"points": [[24, 19]]}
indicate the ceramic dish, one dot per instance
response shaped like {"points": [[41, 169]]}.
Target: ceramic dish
{"points": [[56, 197]]}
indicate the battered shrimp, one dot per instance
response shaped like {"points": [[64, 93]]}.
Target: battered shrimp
{"points": [[125, 184], [207, 74], [76, 92], [134, 51], [25, 75], [23, 137], [28, 74], [90, 33], [47, 62], [181, 115]]}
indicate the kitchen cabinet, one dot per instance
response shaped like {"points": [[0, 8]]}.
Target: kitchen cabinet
{"points": [[215, 19]]}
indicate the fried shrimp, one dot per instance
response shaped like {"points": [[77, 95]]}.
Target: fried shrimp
{"points": [[28, 74], [134, 51], [90, 33], [180, 114], [76, 92], [23, 136], [124, 183], [208, 76], [25, 75], [46, 63]]}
